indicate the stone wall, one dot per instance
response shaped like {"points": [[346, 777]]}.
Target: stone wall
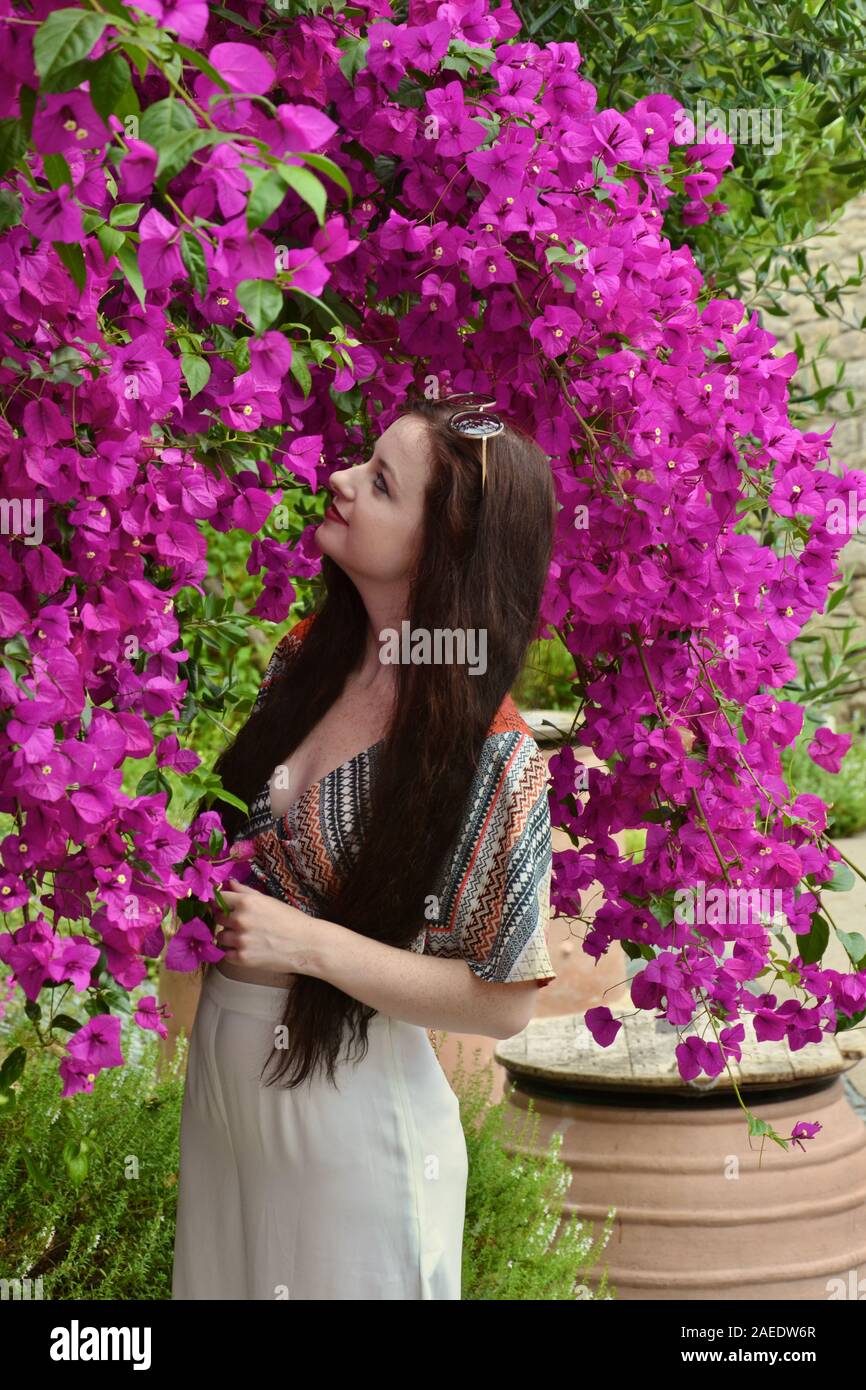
{"points": [[844, 343]]}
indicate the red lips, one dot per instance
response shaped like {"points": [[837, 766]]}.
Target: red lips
{"points": [[333, 515]]}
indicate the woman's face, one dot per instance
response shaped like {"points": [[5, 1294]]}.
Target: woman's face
{"points": [[381, 502]]}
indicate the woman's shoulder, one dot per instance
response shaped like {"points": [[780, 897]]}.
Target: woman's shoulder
{"points": [[298, 632], [291, 641], [511, 759], [508, 720]]}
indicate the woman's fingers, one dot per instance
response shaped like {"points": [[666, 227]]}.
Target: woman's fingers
{"points": [[245, 889]]}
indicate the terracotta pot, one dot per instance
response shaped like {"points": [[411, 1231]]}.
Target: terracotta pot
{"points": [[696, 1216], [702, 1210]]}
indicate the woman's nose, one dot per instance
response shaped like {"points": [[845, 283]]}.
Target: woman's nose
{"points": [[337, 480]]}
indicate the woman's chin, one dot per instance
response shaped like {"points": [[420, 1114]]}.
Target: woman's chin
{"points": [[328, 543], [323, 542]]}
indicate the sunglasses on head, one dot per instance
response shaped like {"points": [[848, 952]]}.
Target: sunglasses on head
{"points": [[473, 419]]}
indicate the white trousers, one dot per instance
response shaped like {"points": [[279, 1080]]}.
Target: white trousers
{"points": [[315, 1193]]}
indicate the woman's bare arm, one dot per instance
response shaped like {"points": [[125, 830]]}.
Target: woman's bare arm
{"points": [[441, 994]]}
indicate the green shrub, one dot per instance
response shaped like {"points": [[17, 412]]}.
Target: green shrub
{"points": [[546, 681], [511, 1249], [88, 1185]]}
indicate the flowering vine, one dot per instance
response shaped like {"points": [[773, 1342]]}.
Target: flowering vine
{"points": [[230, 237]]}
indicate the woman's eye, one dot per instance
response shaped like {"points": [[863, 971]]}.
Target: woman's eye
{"points": [[380, 477]]}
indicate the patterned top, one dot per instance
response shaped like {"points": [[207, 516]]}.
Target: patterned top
{"points": [[494, 905]]}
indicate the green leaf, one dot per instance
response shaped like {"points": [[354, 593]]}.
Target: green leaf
{"points": [[268, 191], [763, 1129], [129, 265], [844, 1021], [193, 257], [223, 795], [66, 79], [12, 1068], [138, 56], [165, 120], [10, 209], [179, 149], [57, 171], [124, 214], [64, 37], [108, 82], [261, 301], [813, 945], [37, 1174], [836, 598], [110, 240], [461, 56], [76, 1167], [307, 186], [72, 257], [354, 58], [92, 220], [116, 8], [196, 372], [71, 1025], [842, 880], [127, 105], [327, 166], [301, 372], [13, 143], [854, 945], [27, 106], [152, 783], [235, 18]]}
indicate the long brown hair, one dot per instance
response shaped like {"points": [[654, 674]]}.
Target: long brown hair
{"points": [[483, 564]]}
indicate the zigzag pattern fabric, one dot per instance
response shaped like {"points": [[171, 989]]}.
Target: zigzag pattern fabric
{"points": [[494, 901]]}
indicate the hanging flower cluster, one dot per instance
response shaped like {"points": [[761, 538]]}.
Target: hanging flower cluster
{"points": [[229, 234]]}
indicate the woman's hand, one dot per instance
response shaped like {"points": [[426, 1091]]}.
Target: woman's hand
{"points": [[262, 933]]}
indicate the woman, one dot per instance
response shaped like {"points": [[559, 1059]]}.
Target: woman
{"points": [[343, 1175]]}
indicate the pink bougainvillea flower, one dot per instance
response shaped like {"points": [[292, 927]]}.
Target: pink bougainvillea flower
{"points": [[603, 1026], [828, 749], [803, 1129], [159, 253], [67, 123], [150, 1014], [170, 754], [302, 128], [55, 217], [97, 1044], [191, 944], [186, 18], [167, 367], [137, 170]]}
